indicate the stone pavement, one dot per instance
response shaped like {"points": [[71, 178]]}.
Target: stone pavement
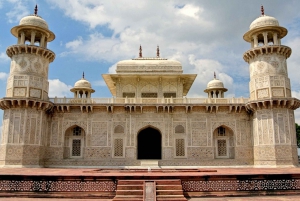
{"points": [[138, 171]]}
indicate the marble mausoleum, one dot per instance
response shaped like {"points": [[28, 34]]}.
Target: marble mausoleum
{"points": [[150, 116]]}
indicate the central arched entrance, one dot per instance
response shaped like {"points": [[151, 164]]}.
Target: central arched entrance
{"points": [[149, 144]]}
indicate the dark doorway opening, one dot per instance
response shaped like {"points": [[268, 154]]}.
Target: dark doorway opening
{"points": [[149, 144]]}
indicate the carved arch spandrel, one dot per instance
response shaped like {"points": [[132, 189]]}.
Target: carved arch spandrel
{"points": [[230, 125], [67, 125]]}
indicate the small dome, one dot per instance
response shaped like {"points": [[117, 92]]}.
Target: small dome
{"points": [[34, 20], [82, 83], [264, 20], [215, 83]]}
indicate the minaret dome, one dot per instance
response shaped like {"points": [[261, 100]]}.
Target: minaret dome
{"points": [[82, 88], [215, 88]]}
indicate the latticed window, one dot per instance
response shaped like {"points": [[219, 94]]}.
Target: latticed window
{"points": [[128, 95], [169, 95], [77, 131], [222, 147], [76, 147], [118, 148], [149, 95], [221, 131], [180, 147]]}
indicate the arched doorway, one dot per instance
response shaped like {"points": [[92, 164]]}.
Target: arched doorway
{"points": [[149, 144]]}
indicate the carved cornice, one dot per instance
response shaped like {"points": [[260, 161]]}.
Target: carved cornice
{"points": [[269, 49], [159, 108], [288, 103], [30, 49], [8, 103]]}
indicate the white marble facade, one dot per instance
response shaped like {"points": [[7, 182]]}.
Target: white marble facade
{"points": [[149, 116]]}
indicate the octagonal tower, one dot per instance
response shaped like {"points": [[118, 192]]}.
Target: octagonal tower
{"points": [[270, 94], [26, 102]]}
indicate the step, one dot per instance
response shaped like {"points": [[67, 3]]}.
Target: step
{"points": [[174, 197], [171, 199], [130, 182], [129, 187], [130, 192], [149, 163], [168, 182], [168, 187], [169, 192], [129, 199]]}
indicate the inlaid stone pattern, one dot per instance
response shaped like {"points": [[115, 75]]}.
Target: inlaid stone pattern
{"points": [[241, 185], [57, 186]]}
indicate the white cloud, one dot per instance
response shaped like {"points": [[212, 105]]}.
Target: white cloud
{"points": [[3, 76], [19, 10], [205, 68], [112, 69], [191, 11], [3, 57], [59, 89], [75, 43]]}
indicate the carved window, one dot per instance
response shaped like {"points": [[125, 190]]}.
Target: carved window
{"points": [[119, 129], [77, 131], [221, 131], [222, 143], [180, 147], [76, 147], [75, 138], [118, 148], [169, 95], [179, 129], [128, 95], [222, 148], [149, 95]]}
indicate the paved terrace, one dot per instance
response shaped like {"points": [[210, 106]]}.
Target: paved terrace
{"points": [[163, 172]]}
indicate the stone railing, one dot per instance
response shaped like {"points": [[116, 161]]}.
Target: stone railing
{"points": [[148, 100]]}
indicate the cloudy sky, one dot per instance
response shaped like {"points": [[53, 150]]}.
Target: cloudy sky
{"points": [[204, 35]]}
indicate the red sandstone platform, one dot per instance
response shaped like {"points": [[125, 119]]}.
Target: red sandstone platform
{"points": [[102, 184]]}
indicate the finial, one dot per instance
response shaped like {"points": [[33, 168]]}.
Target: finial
{"points": [[262, 10], [36, 10], [157, 51], [83, 75], [215, 75], [140, 54]]}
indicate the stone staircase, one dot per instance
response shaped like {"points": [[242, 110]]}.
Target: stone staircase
{"points": [[169, 190], [149, 190]]}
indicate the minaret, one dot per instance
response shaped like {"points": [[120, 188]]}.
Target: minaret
{"points": [[273, 107], [26, 102]]}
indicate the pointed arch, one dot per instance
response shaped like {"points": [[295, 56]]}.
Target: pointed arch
{"points": [[74, 142], [149, 143], [224, 142], [179, 129], [119, 129]]}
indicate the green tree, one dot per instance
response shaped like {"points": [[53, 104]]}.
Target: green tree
{"points": [[298, 134]]}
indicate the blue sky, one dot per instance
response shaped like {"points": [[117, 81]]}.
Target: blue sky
{"points": [[204, 35]]}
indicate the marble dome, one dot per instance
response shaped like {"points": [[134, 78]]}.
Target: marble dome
{"points": [[263, 21], [82, 83], [34, 20], [215, 83]]}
